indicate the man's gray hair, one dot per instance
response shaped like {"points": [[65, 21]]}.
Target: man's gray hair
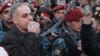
{"points": [[15, 7]]}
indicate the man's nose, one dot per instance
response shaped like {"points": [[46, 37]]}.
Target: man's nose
{"points": [[30, 17], [61, 15]]}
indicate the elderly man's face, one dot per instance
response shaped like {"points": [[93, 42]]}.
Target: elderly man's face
{"points": [[23, 17]]}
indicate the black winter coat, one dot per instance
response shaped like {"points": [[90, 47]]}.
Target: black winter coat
{"points": [[21, 44], [90, 40]]}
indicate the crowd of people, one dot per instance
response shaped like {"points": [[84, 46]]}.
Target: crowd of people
{"points": [[69, 29]]}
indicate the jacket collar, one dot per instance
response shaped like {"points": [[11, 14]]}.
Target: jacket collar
{"points": [[15, 30]]}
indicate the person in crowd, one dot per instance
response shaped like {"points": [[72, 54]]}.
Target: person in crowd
{"points": [[23, 38], [96, 16], [59, 12], [6, 21], [45, 17], [67, 42], [90, 36], [48, 39]]}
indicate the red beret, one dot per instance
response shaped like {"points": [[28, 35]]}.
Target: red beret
{"points": [[46, 14], [59, 7], [4, 6], [74, 14]]}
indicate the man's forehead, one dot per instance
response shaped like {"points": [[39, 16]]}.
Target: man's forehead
{"points": [[60, 11], [9, 8], [23, 9]]}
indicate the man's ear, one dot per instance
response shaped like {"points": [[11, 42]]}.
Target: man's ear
{"points": [[14, 20], [67, 23]]}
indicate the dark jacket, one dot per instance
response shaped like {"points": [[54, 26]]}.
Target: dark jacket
{"points": [[66, 45], [90, 40], [3, 29], [21, 44]]}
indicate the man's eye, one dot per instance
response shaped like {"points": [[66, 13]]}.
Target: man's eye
{"points": [[25, 15], [6, 12], [31, 14]]}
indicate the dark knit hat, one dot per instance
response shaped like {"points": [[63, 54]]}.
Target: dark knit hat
{"points": [[4, 6], [45, 11], [74, 14]]}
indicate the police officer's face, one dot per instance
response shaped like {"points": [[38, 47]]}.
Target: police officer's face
{"points": [[75, 25], [59, 14], [6, 15], [23, 17]]}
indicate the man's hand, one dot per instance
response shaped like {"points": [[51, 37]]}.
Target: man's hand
{"points": [[83, 2], [87, 19], [34, 27]]}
